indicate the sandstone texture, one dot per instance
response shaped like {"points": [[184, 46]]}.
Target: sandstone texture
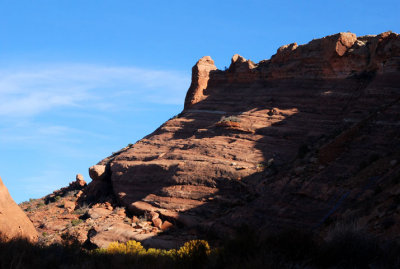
{"points": [[307, 139], [60, 218], [13, 221]]}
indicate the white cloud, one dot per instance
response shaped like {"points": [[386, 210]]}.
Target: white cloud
{"points": [[56, 118], [33, 90]]}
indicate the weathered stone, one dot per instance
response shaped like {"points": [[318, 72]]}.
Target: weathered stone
{"points": [[166, 225], [153, 215], [98, 212], [13, 221], [80, 181], [135, 219], [157, 223], [117, 232], [97, 172], [69, 206], [200, 76], [313, 109], [79, 194], [108, 206]]}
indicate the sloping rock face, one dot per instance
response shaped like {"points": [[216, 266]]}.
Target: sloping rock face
{"points": [[13, 221], [305, 139]]}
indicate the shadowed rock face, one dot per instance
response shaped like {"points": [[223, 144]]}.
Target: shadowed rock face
{"points": [[13, 221], [298, 140]]}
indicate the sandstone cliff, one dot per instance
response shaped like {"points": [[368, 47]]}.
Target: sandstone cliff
{"points": [[307, 137], [13, 221], [304, 140]]}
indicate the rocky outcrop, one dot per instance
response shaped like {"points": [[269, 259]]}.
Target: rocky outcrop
{"points": [[13, 221], [200, 77], [298, 140]]}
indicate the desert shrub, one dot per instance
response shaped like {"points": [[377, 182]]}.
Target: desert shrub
{"points": [[229, 119], [261, 165], [76, 222], [194, 250], [40, 204], [82, 210], [70, 193], [192, 254], [131, 247]]}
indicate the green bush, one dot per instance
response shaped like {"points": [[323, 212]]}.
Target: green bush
{"points": [[76, 222]]}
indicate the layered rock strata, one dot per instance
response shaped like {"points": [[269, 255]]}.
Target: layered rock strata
{"points": [[297, 140]]}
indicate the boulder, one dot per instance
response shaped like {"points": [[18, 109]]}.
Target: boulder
{"points": [[117, 232], [80, 181], [166, 225], [69, 206], [13, 221], [98, 212], [157, 223], [97, 172]]}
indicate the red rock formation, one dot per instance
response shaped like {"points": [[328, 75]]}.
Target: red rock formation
{"points": [[305, 121], [13, 221], [200, 76]]}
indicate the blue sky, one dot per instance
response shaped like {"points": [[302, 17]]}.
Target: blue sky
{"points": [[81, 79]]}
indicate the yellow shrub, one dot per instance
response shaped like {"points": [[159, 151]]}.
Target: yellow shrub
{"points": [[194, 248], [133, 247], [191, 249]]}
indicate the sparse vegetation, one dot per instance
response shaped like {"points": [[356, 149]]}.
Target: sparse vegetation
{"points": [[40, 204], [76, 222], [82, 210], [261, 165], [229, 119], [194, 253], [344, 248]]}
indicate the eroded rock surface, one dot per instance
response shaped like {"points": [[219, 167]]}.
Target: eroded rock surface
{"points": [[13, 221], [272, 144], [304, 140]]}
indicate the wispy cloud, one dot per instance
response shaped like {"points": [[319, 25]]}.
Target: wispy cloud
{"points": [[36, 89], [59, 118], [37, 133], [37, 185]]}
